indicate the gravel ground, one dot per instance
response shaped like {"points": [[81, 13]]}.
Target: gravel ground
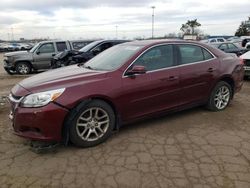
{"points": [[193, 148]]}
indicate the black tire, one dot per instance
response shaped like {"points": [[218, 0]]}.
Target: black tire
{"points": [[212, 104], [10, 72], [75, 130], [23, 68]]}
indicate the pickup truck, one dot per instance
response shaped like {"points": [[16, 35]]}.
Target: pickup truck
{"points": [[70, 57], [39, 57]]}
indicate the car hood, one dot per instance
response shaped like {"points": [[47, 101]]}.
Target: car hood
{"points": [[245, 55], [16, 53], [61, 78]]}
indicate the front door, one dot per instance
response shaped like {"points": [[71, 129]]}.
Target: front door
{"points": [[157, 89], [43, 56]]}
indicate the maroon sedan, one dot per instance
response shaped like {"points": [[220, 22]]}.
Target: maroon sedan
{"points": [[85, 103]]}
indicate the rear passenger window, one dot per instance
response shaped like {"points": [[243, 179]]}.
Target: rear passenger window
{"points": [[157, 58], [223, 47], [190, 54], [231, 46], [61, 46], [206, 54]]}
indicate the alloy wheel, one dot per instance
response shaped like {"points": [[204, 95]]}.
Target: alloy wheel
{"points": [[92, 124], [222, 97], [23, 69]]}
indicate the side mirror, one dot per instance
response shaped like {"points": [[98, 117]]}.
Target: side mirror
{"points": [[38, 52], [137, 69]]}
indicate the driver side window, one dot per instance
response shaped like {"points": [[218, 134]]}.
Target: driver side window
{"points": [[47, 48], [157, 58]]}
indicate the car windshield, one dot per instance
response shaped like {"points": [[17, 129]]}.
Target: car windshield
{"points": [[112, 58], [34, 48], [89, 46]]}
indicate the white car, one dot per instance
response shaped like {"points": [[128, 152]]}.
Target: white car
{"points": [[216, 40], [247, 45], [246, 59]]}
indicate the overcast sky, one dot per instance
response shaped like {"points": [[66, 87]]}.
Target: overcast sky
{"points": [[74, 19]]}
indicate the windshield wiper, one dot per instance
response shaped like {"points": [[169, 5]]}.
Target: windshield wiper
{"points": [[87, 67]]}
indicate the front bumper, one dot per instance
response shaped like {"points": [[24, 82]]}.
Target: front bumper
{"points": [[8, 66], [42, 124]]}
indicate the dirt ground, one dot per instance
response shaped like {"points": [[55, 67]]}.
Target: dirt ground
{"points": [[195, 148]]}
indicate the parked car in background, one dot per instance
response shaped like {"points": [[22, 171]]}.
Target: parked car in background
{"points": [[247, 46], [18, 46], [246, 59], [235, 40], [3, 47], [216, 40], [229, 47], [245, 41], [71, 57], [85, 103], [78, 44], [38, 58]]}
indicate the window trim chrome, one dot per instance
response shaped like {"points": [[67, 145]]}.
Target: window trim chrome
{"points": [[175, 66]]}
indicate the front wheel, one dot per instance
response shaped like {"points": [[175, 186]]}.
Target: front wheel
{"points": [[220, 96], [23, 68], [92, 124]]}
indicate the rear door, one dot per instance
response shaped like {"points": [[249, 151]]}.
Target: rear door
{"points": [[197, 67], [157, 89], [43, 55]]}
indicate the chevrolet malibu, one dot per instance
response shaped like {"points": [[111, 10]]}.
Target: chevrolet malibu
{"points": [[83, 104]]}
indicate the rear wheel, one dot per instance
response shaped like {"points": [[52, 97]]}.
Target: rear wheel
{"points": [[23, 68], [92, 124], [220, 96]]}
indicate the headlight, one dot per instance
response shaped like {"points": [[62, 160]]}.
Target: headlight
{"points": [[41, 99]]}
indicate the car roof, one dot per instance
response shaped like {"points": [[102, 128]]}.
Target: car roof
{"points": [[149, 43], [161, 41], [112, 40]]}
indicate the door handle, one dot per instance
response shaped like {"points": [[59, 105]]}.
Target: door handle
{"points": [[172, 78], [210, 70]]}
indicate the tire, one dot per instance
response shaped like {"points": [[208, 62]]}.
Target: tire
{"points": [[220, 97], [10, 72], [88, 130], [23, 68]]}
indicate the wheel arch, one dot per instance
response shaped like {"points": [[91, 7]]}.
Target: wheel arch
{"points": [[24, 61], [228, 79], [80, 104]]}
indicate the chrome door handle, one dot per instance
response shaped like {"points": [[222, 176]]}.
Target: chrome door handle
{"points": [[210, 70]]}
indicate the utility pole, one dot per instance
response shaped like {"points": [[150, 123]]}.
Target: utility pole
{"points": [[116, 28], [153, 20], [12, 34]]}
